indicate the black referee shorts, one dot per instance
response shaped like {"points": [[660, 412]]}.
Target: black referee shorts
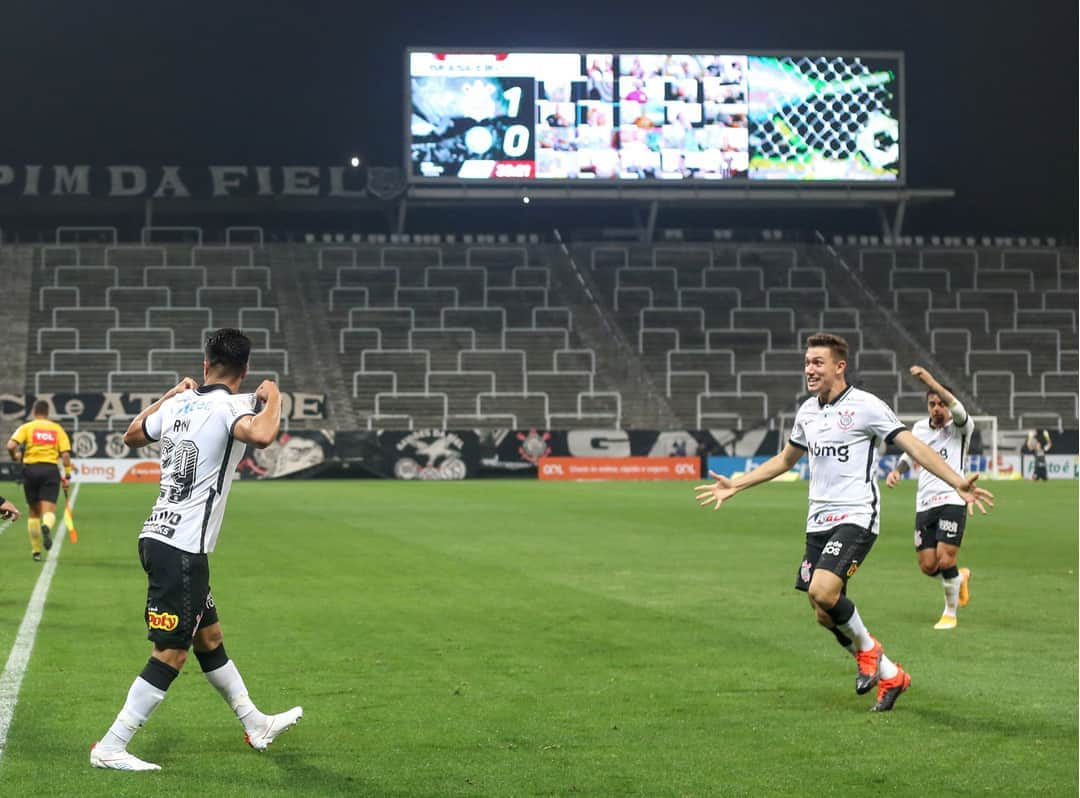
{"points": [[41, 482]]}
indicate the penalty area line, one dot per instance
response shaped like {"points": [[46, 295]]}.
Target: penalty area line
{"points": [[12, 676]]}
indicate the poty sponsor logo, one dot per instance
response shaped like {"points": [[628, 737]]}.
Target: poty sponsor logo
{"points": [[165, 621]]}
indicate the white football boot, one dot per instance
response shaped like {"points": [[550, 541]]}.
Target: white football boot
{"points": [[118, 760], [276, 724]]}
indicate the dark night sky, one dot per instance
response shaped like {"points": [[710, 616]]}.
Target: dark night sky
{"points": [[992, 87]]}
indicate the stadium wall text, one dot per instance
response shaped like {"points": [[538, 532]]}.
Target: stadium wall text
{"points": [[440, 455], [124, 406], [171, 181]]}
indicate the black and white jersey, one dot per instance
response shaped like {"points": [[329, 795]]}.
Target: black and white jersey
{"points": [[841, 440], [951, 442], [198, 461]]}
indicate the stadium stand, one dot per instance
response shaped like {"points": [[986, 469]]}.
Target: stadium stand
{"points": [[693, 335]]}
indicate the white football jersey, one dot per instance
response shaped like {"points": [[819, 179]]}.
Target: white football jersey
{"points": [[951, 442], [198, 462], [842, 440]]}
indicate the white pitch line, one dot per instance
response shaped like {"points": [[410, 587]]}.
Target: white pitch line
{"points": [[12, 677]]}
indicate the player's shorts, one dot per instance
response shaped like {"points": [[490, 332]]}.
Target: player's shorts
{"points": [[1040, 472], [839, 550], [178, 598], [41, 482], [944, 524]]}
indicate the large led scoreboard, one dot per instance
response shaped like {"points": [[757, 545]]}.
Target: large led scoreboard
{"points": [[647, 116]]}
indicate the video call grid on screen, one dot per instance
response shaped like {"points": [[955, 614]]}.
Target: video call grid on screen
{"points": [[646, 116]]}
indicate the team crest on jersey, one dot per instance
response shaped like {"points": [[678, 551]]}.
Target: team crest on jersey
{"points": [[805, 569], [845, 419]]}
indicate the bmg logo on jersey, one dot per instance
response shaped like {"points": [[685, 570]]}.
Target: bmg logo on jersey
{"points": [[839, 452]]}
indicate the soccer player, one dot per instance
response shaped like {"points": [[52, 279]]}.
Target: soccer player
{"points": [[203, 432], [40, 444], [839, 428], [8, 511], [1039, 449], [939, 511]]}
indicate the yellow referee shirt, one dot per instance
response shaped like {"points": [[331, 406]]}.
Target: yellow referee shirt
{"points": [[43, 440]]}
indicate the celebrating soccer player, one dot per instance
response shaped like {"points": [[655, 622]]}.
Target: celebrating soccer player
{"points": [[939, 511], [203, 432], [839, 428]]}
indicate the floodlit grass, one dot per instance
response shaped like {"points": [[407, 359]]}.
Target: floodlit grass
{"points": [[530, 639]]}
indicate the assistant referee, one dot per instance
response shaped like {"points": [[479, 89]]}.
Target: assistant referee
{"points": [[40, 444]]}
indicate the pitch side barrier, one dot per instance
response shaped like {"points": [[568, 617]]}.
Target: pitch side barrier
{"points": [[434, 454]]}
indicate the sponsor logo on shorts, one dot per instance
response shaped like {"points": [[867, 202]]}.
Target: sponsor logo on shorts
{"points": [[165, 621], [851, 571], [833, 548], [829, 518], [804, 570], [950, 528]]}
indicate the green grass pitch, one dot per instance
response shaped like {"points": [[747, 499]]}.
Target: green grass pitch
{"points": [[540, 639]]}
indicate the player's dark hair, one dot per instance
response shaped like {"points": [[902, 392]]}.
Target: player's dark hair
{"points": [[838, 345], [41, 408], [931, 392], [227, 351]]}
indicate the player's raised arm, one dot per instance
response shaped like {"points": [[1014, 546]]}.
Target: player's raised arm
{"points": [[261, 429], [959, 414], [136, 432], [724, 487], [930, 460]]}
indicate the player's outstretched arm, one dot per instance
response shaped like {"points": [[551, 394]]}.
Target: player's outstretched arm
{"points": [[903, 465], [930, 460], [724, 487], [135, 436], [8, 510], [261, 429]]}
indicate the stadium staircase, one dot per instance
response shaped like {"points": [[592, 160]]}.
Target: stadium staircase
{"points": [[881, 330], [17, 266], [311, 343], [618, 365]]}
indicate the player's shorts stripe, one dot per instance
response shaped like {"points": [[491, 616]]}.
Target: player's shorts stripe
{"points": [[206, 520]]}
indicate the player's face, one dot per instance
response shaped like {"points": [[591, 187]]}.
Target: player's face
{"points": [[823, 371], [939, 413]]}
